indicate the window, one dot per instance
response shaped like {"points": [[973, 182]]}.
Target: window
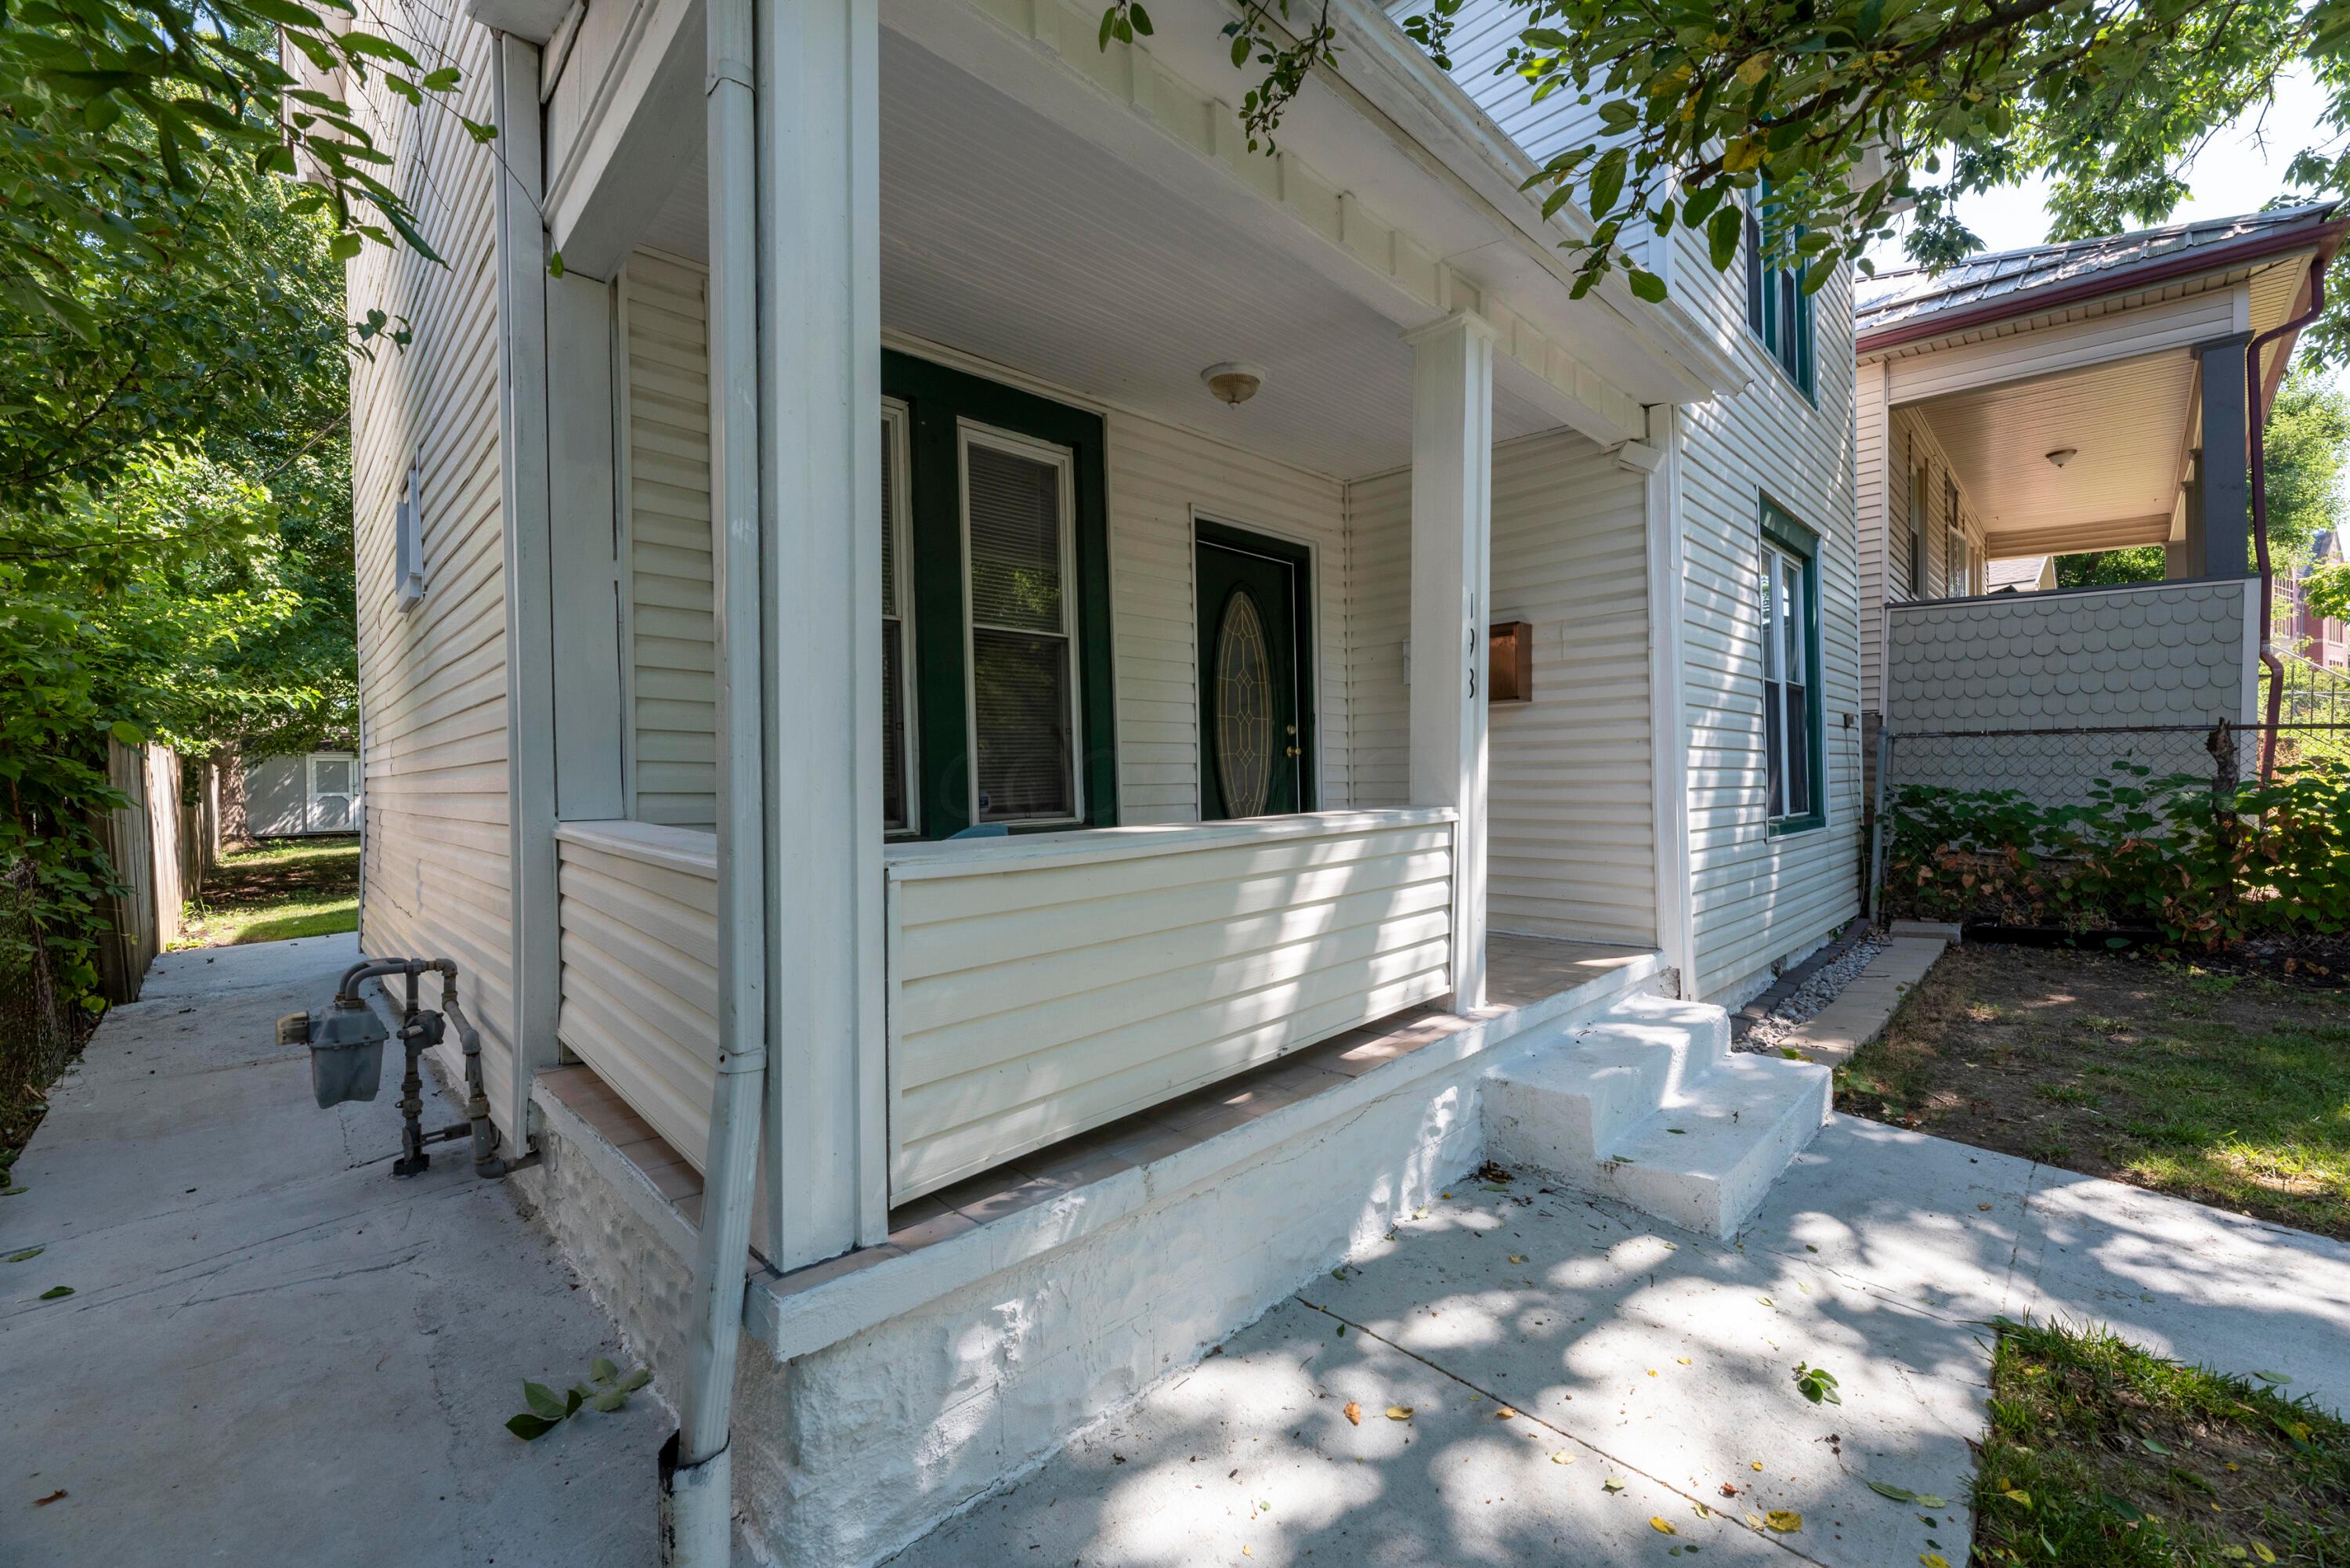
{"points": [[900, 804], [1793, 737], [1023, 722], [1778, 310], [1915, 564], [994, 616], [1954, 542]]}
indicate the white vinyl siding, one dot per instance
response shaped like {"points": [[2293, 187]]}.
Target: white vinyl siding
{"points": [[671, 655], [1040, 987], [432, 682], [638, 910], [1572, 830], [1758, 899]]}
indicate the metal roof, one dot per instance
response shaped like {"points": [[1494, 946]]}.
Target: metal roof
{"points": [[2014, 282]]}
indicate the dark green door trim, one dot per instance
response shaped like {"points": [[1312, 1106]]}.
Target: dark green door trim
{"points": [[937, 400], [1297, 560]]}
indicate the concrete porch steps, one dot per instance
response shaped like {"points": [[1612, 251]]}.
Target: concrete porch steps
{"points": [[1646, 1103]]}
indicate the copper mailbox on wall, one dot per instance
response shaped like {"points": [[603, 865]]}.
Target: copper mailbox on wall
{"points": [[1509, 662]]}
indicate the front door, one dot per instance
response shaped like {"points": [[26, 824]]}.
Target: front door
{"points": [[1256, 719]]}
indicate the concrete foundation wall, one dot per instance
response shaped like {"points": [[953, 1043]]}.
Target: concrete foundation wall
{"points": [[844, 1456], [848, 1453]]}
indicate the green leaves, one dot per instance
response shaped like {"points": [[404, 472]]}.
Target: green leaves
{"points": [[607, 1390], [1856, 111], [1817, 1384]]}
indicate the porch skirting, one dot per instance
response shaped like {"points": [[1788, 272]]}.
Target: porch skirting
{"points": [[877, 1397]]}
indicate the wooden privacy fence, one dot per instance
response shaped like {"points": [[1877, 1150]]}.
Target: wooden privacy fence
{"points": [[160, 852]]}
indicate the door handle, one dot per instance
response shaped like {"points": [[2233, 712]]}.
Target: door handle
{"points": [[1293, 752]]}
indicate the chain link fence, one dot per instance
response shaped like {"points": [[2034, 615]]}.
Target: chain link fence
{"points": [[2162, 825]]}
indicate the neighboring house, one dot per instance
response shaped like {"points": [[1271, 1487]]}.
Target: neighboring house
{"points": [[2318, 638], [2067, 397], [880, 466], [293, 796], [2020, 575]]}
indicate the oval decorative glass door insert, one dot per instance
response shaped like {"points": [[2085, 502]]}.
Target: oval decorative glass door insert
{"points": [[1243, 707]]}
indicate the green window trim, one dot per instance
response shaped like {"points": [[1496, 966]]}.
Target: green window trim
{"points": [[1777, 527], [938, 402], [1779, 309]]}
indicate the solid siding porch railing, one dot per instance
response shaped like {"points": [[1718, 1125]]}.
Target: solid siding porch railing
{"points": [[1040, 986], [638, 909]]}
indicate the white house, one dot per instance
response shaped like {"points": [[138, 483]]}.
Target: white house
{"points": [[938, 792]]}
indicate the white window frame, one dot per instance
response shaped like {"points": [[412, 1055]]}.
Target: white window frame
{"points": [[312, 793], [1063, 461], [897, 455], [1795, 734]]}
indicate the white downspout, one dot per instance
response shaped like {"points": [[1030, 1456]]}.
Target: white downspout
{"points": [[697, 1479]]}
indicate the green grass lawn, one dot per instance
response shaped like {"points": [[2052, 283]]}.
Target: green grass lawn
{"points": [[2230, 1090], [279, 888], [2101, 1456]]}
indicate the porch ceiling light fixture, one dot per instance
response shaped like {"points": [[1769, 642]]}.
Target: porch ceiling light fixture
{"points": [[1233, 382], [2064, 454]]}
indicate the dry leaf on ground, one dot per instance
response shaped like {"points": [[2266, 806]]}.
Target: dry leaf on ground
{"points": [[1353, 1413]]}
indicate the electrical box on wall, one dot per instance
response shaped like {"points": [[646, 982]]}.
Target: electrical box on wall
{"points": [[1509, 662]]}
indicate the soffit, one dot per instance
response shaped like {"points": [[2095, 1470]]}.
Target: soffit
{"points": [[2127, 421], [1012, 239]]}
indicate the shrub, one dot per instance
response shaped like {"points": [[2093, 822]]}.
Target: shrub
{"points": [[2206, 868]]}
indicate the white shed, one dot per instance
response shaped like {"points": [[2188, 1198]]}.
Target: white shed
{"points": [[303, 793]]}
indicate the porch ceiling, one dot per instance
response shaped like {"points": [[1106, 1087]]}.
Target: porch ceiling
{"points": [[1006, 236], [2127, 421]]}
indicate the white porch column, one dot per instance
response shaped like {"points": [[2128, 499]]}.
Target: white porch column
{"points": [[1452, 554], [820, 464]]}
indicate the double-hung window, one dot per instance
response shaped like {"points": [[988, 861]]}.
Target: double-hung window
{"points": [[1793, 734], [1017, 504], [1778, 310], [994, 607]]}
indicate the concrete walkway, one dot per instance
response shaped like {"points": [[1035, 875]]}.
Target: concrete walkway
{"points": [[1650, 1374], [1859, 1013], [275, 1352]]}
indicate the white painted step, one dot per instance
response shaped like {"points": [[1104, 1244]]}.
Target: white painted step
{"points": [[1707, 1162], [1647, 1103], [1562, 1100]]}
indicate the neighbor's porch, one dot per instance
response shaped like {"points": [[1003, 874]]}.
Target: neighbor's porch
{"points": [[915, 512]]}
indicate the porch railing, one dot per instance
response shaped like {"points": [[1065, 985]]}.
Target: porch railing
{"points": [[1038, 986], [638, 908]]}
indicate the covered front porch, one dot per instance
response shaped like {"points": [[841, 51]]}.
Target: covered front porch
{"points": [[1054, 611]]}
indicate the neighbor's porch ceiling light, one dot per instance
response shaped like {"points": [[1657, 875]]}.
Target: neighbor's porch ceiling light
{"points": [[2064, 454], [1233, 382]]}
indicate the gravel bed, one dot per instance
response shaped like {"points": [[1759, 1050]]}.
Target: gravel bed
{"points": [[1769, 1033]]}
